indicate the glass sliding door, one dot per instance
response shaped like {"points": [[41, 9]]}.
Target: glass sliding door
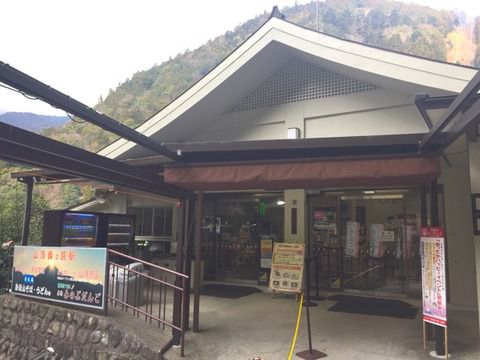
{"points": [[368, 240], [372, 232], [326, 247], [233, 227]]}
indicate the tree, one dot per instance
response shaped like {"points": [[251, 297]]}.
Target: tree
{"points": [[12, 205]]}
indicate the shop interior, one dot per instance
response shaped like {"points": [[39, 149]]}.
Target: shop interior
{"points": [[367, 240], [233, 228], [360, 240]]}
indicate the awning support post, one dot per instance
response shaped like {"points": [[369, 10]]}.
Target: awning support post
{"points": [[177, 297], [197, 245], [29, 181], [438, 330]]}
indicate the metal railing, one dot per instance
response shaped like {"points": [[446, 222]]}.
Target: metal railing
{"points": [[156, 294]]}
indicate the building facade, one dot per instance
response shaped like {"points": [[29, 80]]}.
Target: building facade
{"points": [[291, 90]]}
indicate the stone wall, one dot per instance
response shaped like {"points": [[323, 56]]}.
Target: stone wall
{"points": [[29, 327]]}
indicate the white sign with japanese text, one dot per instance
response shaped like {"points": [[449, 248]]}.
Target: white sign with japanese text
{"points": [[287, 267], [434, 287]]}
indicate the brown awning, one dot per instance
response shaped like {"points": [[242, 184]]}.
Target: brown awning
{"points": [[308, 175]]}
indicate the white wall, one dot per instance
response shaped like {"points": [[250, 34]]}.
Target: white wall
{"points": [[377, 112], [460, 247], [474, 151]]}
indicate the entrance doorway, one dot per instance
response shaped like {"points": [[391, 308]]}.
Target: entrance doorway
{"points": [[233, 227], [367, 241]]}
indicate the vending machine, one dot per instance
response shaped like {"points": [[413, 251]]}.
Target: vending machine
{"points": [[88, 229]]}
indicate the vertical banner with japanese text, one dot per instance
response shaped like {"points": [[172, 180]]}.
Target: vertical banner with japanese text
{"points": [[71, 275], [352, 244], [434, 287], [287, 267]]}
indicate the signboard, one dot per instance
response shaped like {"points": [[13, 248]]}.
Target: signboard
{"points": [[387, 236], [287, 267], [72, 275], [266, 249], [434, 290]]}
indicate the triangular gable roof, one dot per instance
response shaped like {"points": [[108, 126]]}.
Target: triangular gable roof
{"points": [[275, 43]]}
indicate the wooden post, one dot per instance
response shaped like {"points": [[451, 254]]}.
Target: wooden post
{"points": [[197, 247]]}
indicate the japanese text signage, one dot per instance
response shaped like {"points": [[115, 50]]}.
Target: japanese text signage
{"points": [[287, 267], [71, 275], [434, 290]]}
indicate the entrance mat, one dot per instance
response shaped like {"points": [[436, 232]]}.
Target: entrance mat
{"points": [[228, 291], [373, 306]]}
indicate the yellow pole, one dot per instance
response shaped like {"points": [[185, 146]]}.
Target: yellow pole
{"points": [[424, 336], [294, 340]]}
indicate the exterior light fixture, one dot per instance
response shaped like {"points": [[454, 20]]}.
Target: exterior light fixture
{"points": [[293, 133], [280, 202]]}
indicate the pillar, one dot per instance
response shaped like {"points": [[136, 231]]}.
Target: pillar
{"points": [[295, 211], [197, 249], [29, 181]]}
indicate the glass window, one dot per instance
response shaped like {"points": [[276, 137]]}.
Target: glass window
{"points": [[147, 229], [152, 221]]}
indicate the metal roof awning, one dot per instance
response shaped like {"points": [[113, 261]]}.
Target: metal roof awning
{"points": [[33, 87], [26, 147], [461, 112], [285, 149]]}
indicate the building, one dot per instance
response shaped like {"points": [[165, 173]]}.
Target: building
{"points": [[300, 136]]}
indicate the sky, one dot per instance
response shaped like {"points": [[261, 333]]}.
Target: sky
{"points": [[83, 48]]}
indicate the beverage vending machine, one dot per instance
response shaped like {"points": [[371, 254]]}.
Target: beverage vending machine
{"points": [[88, 229]]}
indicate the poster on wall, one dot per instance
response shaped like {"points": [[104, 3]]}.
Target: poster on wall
{"points": [[434, 289], [70, 275], [352, 245], [266, 252], [287, 267]]}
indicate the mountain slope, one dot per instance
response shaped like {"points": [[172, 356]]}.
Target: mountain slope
{"points": [[408, 28], [32, 122]]}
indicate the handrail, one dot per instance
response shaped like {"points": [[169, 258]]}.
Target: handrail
{"points": [[145, 275], [139, 291], [148, 263]]}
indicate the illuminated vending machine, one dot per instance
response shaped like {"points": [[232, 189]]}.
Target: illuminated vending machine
{"points": [[88, 229]]}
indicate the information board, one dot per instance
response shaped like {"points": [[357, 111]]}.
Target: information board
{"points": [[70, 275], [266, 251], [434, 289], [287, 267]]}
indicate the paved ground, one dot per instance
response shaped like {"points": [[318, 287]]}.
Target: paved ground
{"points": [[261, 325]]}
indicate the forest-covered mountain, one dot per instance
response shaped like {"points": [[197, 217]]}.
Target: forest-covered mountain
{"points": [[441, 35], [32, 122]]}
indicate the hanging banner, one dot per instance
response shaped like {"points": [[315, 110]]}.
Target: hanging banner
{"points": [[376, 246], [72, 275], [352, 245], [434, 289], [287, 267]]}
